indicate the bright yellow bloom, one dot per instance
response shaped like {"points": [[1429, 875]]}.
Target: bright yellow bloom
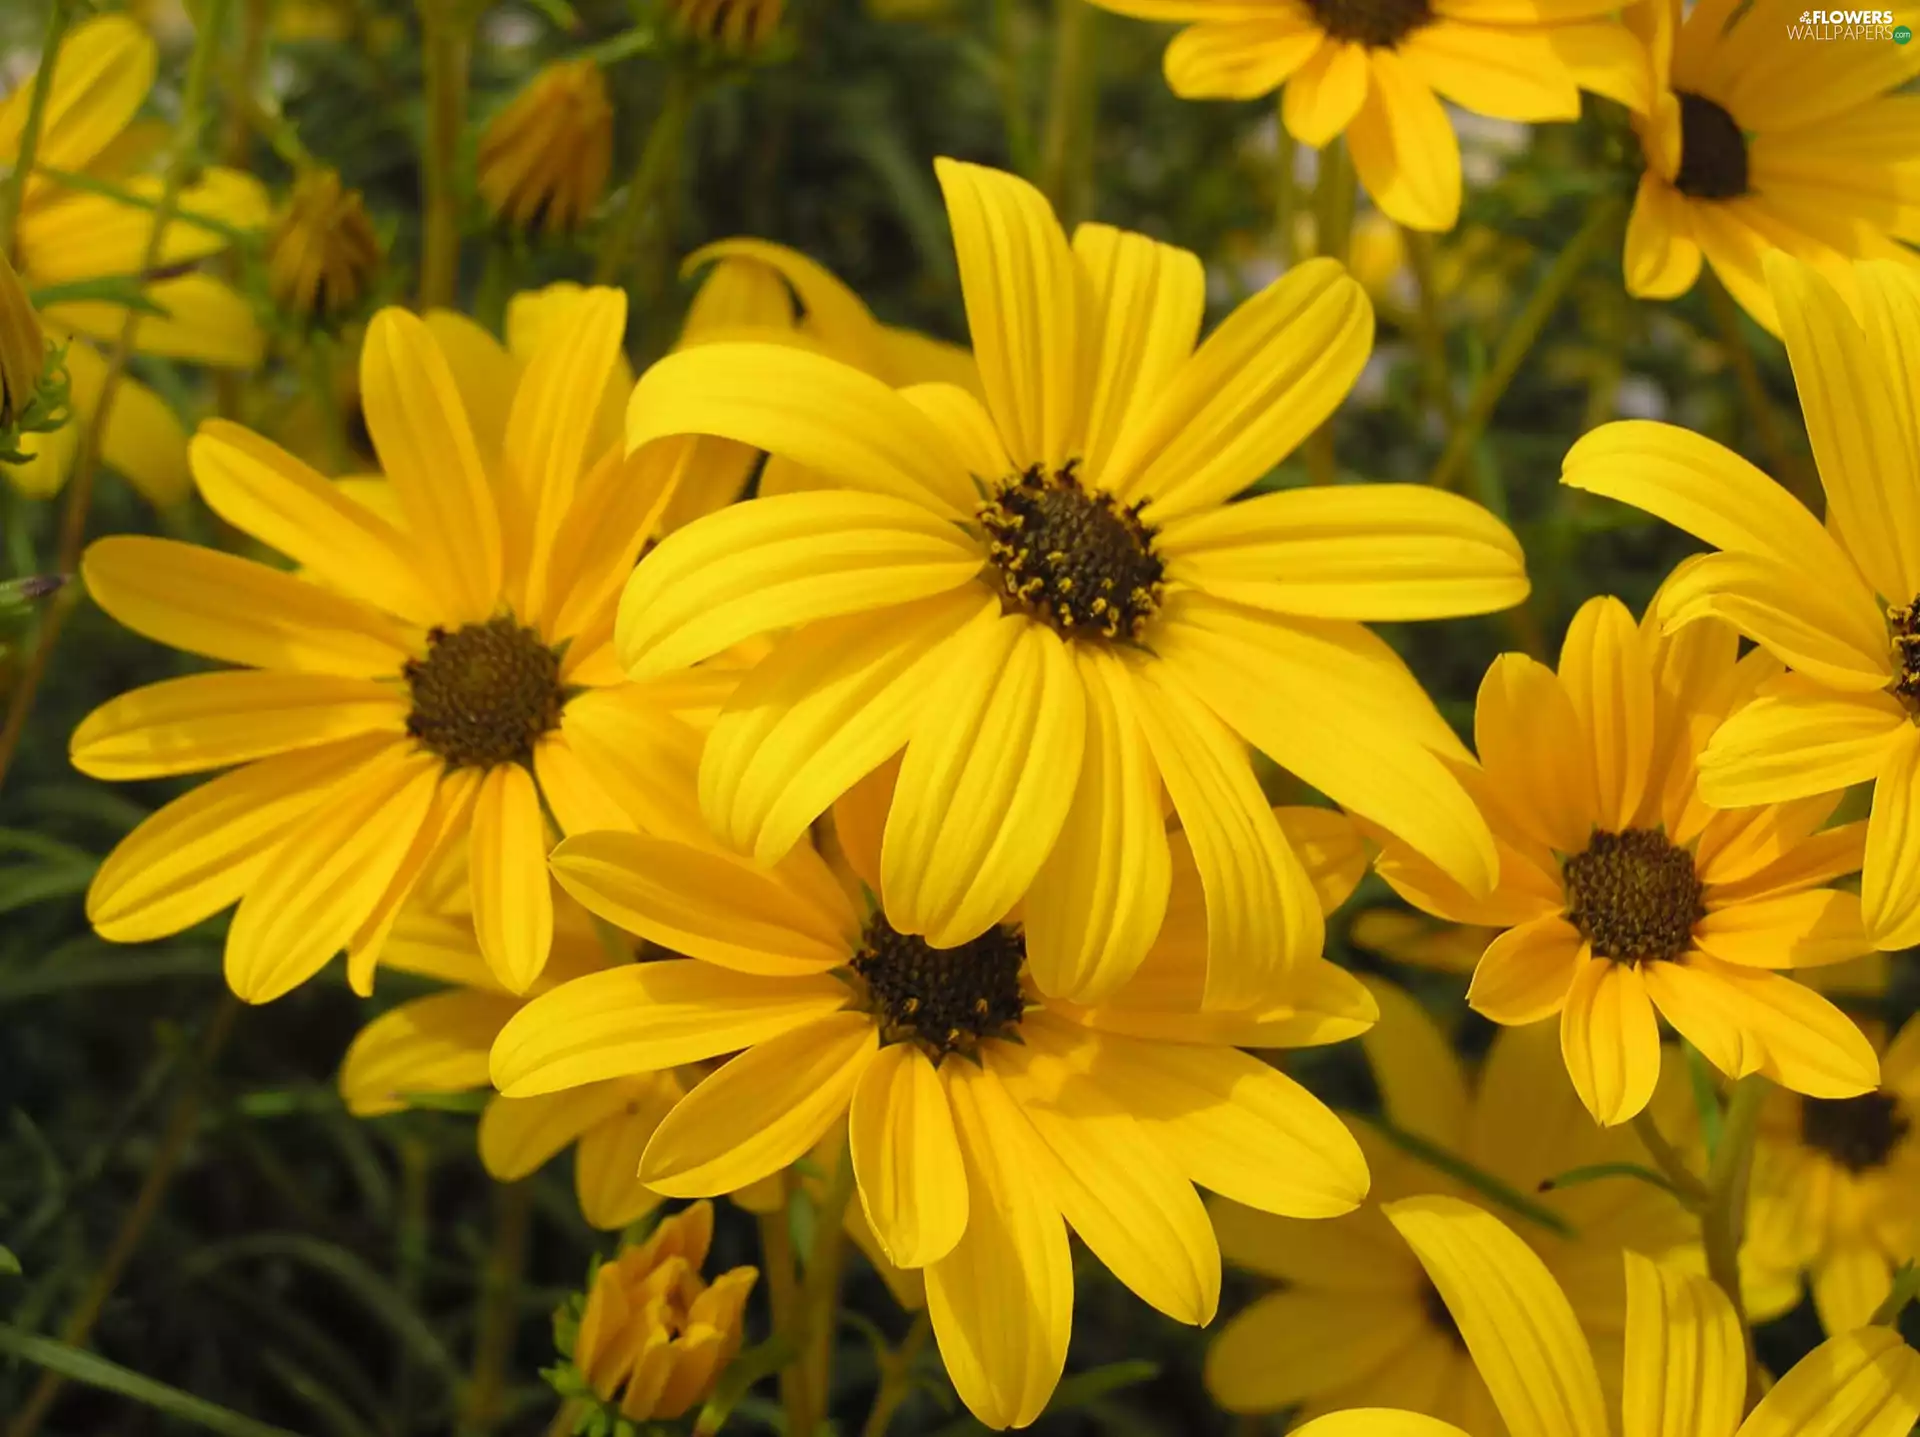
{"points": [[1378, 70], [655, 1333], [441, 669], [983, 1118], [1836, 1187], [1756, 142], [1050, 602], [1359, 1323], [1684, 1373], [324, 254], [438, 1044], [545, 156], [69, 236], [1622, 892], [1838, 603]]}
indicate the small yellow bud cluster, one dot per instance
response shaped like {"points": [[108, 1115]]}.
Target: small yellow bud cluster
{"points": [[544, 158], [324, 254]]}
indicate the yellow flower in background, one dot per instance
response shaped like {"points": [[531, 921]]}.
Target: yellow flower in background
{"points": [[23, 350], [324, 255], [438, 1044], [1836, 1187], [655, 1334], [66, 236], [737, 27], [1838, 603], [1359, 1323], [1685, 1365], [439, 673], [1623, 894], [544, 158], [983, 1119], [1757, 141], [1378, 71], [1049, 601]]}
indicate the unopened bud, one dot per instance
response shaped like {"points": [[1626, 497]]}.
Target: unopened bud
{"points": [[324, 254], [544, 158]]}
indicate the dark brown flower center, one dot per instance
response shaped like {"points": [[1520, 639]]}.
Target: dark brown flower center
{"points": [[1633, 895], [1858, 1133], [1713, 152], [1072, 555], [1380, 23], [947, 1000], [1903, 626], [484, 693]]}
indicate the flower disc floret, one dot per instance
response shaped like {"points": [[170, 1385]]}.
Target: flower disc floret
{"points": [[1634, 896], [1072, 555], [1713, 151], [1381, 24], [945, 1000], [1858, 1133], [484, 694]]}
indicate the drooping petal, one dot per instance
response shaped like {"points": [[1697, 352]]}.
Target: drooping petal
{"points": [[1607, 672], [1797, 739], [1325, 93], [1686, 1363], [1403, 146], [519, 1135], [436, 1044], [1859, 1384], [1610, 1039], [1527, 972], [512, 898], [1662, 258], [1241, 58], [906, 1158], [1890, 879], [606, 1163]]}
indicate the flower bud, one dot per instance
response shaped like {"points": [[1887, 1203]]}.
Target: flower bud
{"points": [[737, 26], [545, 156], [324, 254], [23, 348]]}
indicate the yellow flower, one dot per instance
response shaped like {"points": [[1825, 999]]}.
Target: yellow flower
{"points": [[1359, 1322], [1621, 892], [1379, 69], [324, 254], [1756, 142], [23, 349], [545, 156], [1836, 1187], [983, 1119], [440, 670], [1050, 603], [1837, 603], [438, 1044], [734, 26], [68, 236], [1684, 1371], [655, 1333]]}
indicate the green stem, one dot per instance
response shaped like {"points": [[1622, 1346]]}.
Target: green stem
{"points": [[783, 1297], [820, 1293], [1068, 95], [1753, 393], [14, 194], [1519, 339], [1906, 1287], [1286, 193], [896, 1377], [1666, 1157], [1013, 100], [447, 53], [1432, 333], [627, 240], [1458, 1168], [498, 1317], [182, 1122], [1723, 1223]]}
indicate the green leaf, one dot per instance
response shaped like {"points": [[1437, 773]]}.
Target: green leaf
{"points": [[9, 1264], [1573, 1177], [124, 289], [751, 1366], [81, 1366]]}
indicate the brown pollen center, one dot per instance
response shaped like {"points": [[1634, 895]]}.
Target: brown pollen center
{"points": [[1859, 1133], [484, 693], [1903, 631], [1381, 24], [946, 1000], [1713, 151], [1633, 895], [1072, 556]]}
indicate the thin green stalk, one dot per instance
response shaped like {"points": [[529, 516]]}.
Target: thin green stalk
{"points": [[820, 1292], [1458, 1168], [1013, 100], [1432, 334], [1666, 1157], [896, 1377], [1723, 1223], [1067, 100], [182, 1122], [1519, 339], [783, 1297], [1286, 191], [447, 54], [497, 1321], [15, 190], [628, 240], [1333, 199], [1753, 393], [1906, 1287]]}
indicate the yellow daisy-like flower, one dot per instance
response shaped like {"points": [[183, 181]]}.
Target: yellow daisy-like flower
{"points": [[1836, 1187], [1359, 1321], [983, 1119], [66, 236], [1621, 892], [440, 671], [1684, 1372], [545, 157], [1378, 71], [1049, 601], [1755, 143], [438, 1044], [1838, 603]]}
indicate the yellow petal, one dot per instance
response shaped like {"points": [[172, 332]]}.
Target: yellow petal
{"points": [[1849, 1284], [761, 1110], [1527, 972], [512, 902], [323, 881], [436, 1044], [1662, 258], [642, 759], [1827, 855], [426, 446], [1791, 930], [1325, 93], [1022, 292], [1512, 1316], [1890, 309], [141, 436], [1258, 385], [1860, 1384], [606, 1163], [519, 1135], [1358, 1256], [641, 1017], [1509, 73], [99, 80], [74, 236], [620, 505], [1608, 674], [1890, 879], [781, 562], [906, 1158], [1797, 739], [1002, 1300], [986, 783], [1817, 632], [1686, 1364], [968, 428], [202, 319], [1239, 58], [1403, 146], [212, 720], [1610, 1039], [833, 312], [1423, 1087], [1097, 902], [1531, 744], [1377, 1422], [442, 834], [1293, 1347], [1331, 848], [1354, 551], [572, 790]]}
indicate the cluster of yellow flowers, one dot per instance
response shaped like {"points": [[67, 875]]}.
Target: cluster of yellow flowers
{"points": [[932, 781]]}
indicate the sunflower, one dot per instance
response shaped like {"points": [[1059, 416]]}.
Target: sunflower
{"points": [[67, 236], [1621, 892], [1048, 601], [982, 1118], [1836, 1187], [437, 1045], [1379, 69], [1685, 1365], [1359, 1321], [1838, 603], [439, 671], [1754, 143]]}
